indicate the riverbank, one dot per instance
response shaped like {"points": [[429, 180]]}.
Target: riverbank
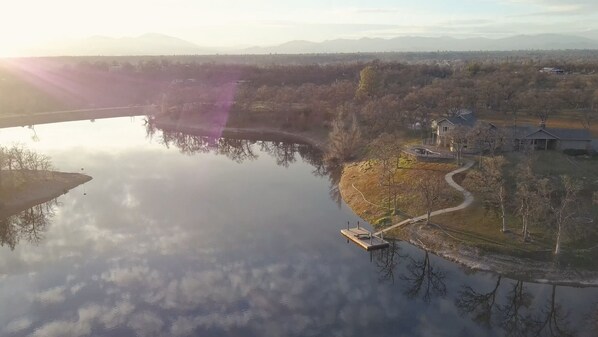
{"points": [[315, 139], [360, 191], [7, 121], [39, 187]]}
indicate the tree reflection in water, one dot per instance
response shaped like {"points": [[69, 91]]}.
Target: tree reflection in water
{"points": [[513, 315], [387, 260], [28, 225], [240, 150], [479, 304], [423, 279], [554, 319]]}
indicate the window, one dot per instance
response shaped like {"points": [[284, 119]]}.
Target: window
{"points": [[444, 128]]}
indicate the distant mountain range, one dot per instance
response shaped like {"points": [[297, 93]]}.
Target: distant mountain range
{"points": [[147, 44], [157, 44], [414, 43]]}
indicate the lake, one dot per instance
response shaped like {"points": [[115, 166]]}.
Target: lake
{"points": [[178, 235]]}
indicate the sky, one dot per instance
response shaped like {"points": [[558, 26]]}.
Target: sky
{"points": [[34, 23]]}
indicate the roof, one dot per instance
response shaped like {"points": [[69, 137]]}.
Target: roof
{"points": [[521, 132], [462, 118], [574, 134]]}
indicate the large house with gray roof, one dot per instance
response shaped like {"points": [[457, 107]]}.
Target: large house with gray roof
{"points": [[446, 126], [538, 137], [543, 138]]}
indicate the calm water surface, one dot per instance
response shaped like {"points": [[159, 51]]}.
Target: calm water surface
{"points": [[176, 236]]}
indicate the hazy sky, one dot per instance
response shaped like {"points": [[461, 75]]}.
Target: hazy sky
{"points": [[261, 22]]}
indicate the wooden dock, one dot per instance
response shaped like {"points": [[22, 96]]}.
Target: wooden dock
{"points": [[364, 238]]}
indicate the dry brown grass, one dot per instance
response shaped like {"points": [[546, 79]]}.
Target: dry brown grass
{"points": [[365, 177]]}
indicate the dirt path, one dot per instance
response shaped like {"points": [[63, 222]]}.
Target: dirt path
{"points": [[449, 179]]}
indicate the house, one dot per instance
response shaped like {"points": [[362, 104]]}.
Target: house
{"points": [[445, 126], [543, 138], [552, 70]]}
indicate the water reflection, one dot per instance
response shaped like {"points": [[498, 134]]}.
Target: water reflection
{"points": [[503, 306], [28, 225], [242, 149], [423, 279], [387, 260], [199, 245], [480, 305]]}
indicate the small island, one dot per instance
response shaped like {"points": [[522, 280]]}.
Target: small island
{"points": [[27, 180]]}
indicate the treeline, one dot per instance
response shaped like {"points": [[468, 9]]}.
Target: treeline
{"points": [[385, 95], [18, 162]]}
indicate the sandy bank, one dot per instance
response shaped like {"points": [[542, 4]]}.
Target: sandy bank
{"points": [[41, 186]]}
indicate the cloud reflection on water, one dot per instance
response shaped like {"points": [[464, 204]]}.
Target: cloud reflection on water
{"points": [[197, 244]]}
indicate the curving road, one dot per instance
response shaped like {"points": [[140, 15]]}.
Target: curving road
{"points": [[449, 179]]}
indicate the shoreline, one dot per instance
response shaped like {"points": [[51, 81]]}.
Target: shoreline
{"points": [[9, 121], [433, 239], [237, 132], [434, 242], [49, 185]]}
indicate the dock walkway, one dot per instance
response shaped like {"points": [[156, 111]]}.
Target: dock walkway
{"points": [[364, 238]]}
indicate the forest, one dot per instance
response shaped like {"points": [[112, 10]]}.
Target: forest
{"points": [[385, 92]]}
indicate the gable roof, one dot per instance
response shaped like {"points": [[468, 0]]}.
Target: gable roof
{"points": [[523, 132], [462, 118], [571, 134]]}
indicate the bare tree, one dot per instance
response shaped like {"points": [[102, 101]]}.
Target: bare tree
{"points": [[387, 150], [492, 177], [589, 112], [459, 139], [430, 190], [564, 210], [531, 196]]}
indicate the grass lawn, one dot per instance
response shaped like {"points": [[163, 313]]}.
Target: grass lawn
{"points": [[365, 175], [478, 226]]}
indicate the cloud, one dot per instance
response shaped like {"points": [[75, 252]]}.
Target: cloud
{"points": [[50, 296], [88, 317], [375, 10], [184, 326], [18, 325], [560, 7], [75, 288], [146, 324], [133, 277]]}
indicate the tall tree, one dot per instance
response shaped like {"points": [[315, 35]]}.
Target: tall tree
{"points": [[492, 177], [345, 136], [370, 82], [531, 196], [430, 190], [564, 209]]}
